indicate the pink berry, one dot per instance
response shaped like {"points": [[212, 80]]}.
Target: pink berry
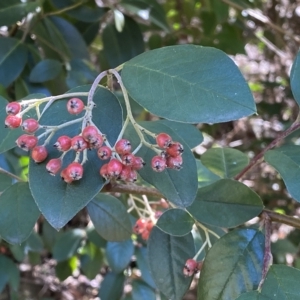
{"points": [[65, 176], [163, 140], [123, 146], [74, 171], [13, 108], [138, 163], [190, 267], [53, 166], [27, 142], [158, 163], [90, 133], [63, 143], [128, 159], [39, 153], [175, 149], [78, 143], [75, 106], [174, 162], [30, 125], [114, 168], [104, 152], [103, 171], [12, 121]]}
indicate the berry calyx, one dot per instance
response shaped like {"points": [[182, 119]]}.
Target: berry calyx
{"points": [[163, 140], [74, 171], [103, 171], [78, 143], [158, 163], [12, 121], [123, 146], [13, 108], [63, 143], [75, 106], [114, 168], [174, 162], [53, 166], [90, 134], [39, 153], [104, 152], [97, 142], [132, 176], [30, 125], [27, 142], [175, 149], [138, 163], [190, 267]]}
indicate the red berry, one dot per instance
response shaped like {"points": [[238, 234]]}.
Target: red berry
{"points": [[74, 171], [114, 168], [30, 125], [78, 143], [138, 163], [90, 133], [13, 108], [63, 143], [149, 225], [97, 142], [128, 159], [158, 163], [125, 173], [104, 152], [75, 106], [27, 142], [123, 146], [132, 176], [103, 171], [13, 121], [145, 235], [39, 153], [53, 166], [175, 149], [65, 176], [190, 267], [140, 226], [174, 162], [163, 140]]}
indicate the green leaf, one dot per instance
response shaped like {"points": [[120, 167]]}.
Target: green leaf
{"points": [[286, 161], [9, 273], [95, 238], [18, 252], [189, 83], [254, 295], [13, 11], [67, 244], [121, 46], [49, 235], [166, 256], [5, 182], [205, 176], [21, 88], [64, 269], [225, 203], [225, 162], [295, 77], [67, 199], [232, 266], [45, 70], [141, 290], [111, 287], [34, 243], [13, 57], [119, 254], [18, 213], [110, 218], [176, 222]]}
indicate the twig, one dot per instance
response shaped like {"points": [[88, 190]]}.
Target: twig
{"points": [[281, 218], [12, 175]]}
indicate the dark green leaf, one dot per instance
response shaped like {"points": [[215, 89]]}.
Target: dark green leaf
{"points": [[191, 83], [119, 254], [167, 256], [232, 266], [21, 88], [112, 286], [119, 47], [45, 70], [286, 161], [13, 57], [5, 182], [225, 203], [252, 296], [67, 244], [34, 243], [64, 269], [49, 235], [225, 162], [95, 238], [205, 176], [175, 222], [295, 77], [140, 290], [18, 251], [18, 213], [9, 273], [110, 218], [34, 258]]}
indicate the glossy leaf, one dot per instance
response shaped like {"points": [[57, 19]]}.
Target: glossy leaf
{"points": [[205, 176], [176, 222], [67, 199], [232, 266], [18, 213], [224, 162], [13, 57], [140, 290], [119, 47], [67, 244], [119, 254], [286, 161], [45, 70], [173, 252], [295, 77], [225, 203], [111, 287], [64, 269], [189, 83], [110, 218], [9, 273]]}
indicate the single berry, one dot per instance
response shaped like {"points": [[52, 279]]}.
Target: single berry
{"points": [[53, 166], [39, 153], [75, 171], [128, 159], [97, 142], [104, 152], [78, 143], [123, 146], [158, 163], [65, 176], [27, 142], [145, 235], [30, 125], [190, 267], [132, 176], [140, 226], [90, 133], [174, 162], [175, 149], [13, 121], [125, 173], [163, 140], [75, 106], [138, 163], [103, 171], [149, 225], [13, 108], [63, 143], [114, 168]]}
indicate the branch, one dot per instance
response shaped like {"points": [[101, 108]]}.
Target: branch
{"points": [[281, 218]]}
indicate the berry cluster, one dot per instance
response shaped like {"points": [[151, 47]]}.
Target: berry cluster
{"points": [[192, 267], [170, 157], [143, 227]]}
